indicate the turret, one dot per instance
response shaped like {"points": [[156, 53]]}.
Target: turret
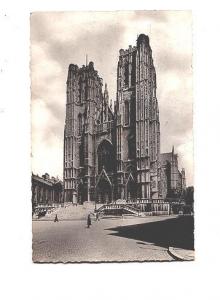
{"points": [[142, 38]]}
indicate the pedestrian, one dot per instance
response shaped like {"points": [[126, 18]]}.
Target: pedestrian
{"points": [[88, 221], [97, 216], [56, 219]]}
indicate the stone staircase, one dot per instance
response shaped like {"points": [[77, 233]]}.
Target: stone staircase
{"points": [[118, 209], [69, 212], [132, 209], [80, 212]]}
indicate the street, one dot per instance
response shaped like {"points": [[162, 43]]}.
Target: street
{"points": [[106, 240]]}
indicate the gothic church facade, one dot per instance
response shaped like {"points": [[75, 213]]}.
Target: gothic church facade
{"points": [[113, 153]]}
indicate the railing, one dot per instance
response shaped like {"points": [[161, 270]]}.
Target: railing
{"points": [[134, 209], [110, 207], [145, 201], [151, 208]]}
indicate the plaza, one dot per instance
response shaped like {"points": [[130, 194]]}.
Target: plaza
{"points": [[111, 239]]}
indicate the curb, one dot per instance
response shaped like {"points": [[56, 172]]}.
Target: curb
{"points": [[177, 256]]}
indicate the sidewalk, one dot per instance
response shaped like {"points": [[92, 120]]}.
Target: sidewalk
{"points": [[182, 254]]}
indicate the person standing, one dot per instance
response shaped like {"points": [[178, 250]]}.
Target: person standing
{"points": [[88, 221], [97, 216], [56, 219]]}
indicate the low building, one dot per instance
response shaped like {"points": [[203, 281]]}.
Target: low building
{"points": [[46, 191]]}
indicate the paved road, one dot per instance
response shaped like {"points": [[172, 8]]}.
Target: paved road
{"points": [[71, 241]]}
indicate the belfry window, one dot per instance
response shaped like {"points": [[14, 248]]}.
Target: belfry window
{"points": [[126, 113], [80, 90], [126, 74]]}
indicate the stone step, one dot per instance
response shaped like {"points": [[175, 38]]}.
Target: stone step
{"points": [[70, 212]]}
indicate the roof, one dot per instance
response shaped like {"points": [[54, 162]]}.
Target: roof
{"points": [[49, 181], [42, 180]]}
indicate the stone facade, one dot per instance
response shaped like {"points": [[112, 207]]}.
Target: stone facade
{"points": [[112, 154], [46, 191], [175, 179]]}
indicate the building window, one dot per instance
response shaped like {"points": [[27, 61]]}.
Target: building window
{"points": [[147, 152], [126, 74], [80, 90], [131, 147], [126, 113], [81, 155], [105, 156], [79, 124]]}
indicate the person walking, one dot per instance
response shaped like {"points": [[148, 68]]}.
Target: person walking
{"points": [[56, 219], [88, 221]]}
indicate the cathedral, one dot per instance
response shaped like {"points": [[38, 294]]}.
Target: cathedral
{"points": [[112, 151]]}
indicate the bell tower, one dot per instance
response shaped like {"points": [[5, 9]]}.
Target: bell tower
{"points": [[147, 122], [125, 118], [84, 98]]}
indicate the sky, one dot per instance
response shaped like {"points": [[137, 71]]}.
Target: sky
{"points": [[61, 38]]}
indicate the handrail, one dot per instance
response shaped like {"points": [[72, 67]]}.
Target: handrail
{"points": [[118, 206], [134, 208]]}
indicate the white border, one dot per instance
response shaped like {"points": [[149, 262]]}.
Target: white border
{"points": [[24, 280]]}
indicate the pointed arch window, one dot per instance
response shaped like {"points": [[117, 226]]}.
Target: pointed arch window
{"points": [[80, 89], [126, 113], [126, 74], [105, 154]]}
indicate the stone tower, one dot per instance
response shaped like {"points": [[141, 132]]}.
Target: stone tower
{"points": [[84, 99], [138, 126]]}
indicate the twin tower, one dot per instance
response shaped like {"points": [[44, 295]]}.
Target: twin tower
{"points": [[113, 153]]}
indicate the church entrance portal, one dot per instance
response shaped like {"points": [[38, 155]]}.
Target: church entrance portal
{"points": [[106, 164], [131, 190], [104, 192]]}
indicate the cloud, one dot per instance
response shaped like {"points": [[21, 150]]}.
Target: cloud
{"points": [[58, 39], [153, 15]]}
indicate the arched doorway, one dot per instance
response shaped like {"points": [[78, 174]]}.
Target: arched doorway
{"points": [[131, 189], [106, 166], [104, 191]]}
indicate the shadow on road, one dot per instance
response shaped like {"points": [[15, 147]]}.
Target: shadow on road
{"points": [[178, 232]]}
